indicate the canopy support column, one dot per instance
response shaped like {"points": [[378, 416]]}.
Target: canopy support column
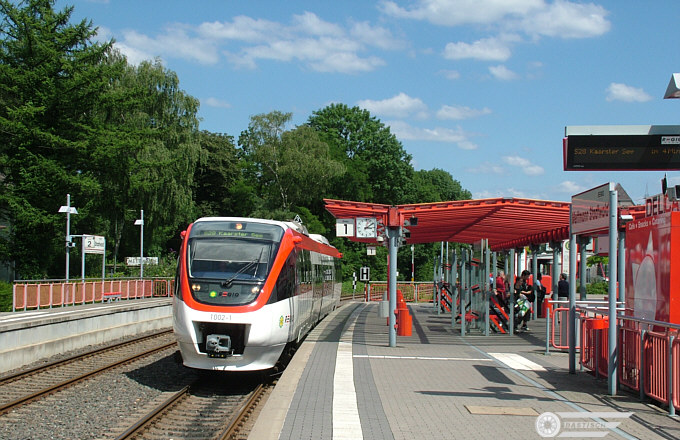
{"points": [[583, 242], [393, 236], [455, 291], [613, 243], [556, 251], [463, 289], [572, 304], [511, 292], [534, 272], [486, 289]]}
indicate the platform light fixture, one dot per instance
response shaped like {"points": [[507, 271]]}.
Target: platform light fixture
{"points": [[68, 209]]}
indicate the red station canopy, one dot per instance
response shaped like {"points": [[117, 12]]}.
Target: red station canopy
{"points": [[506, 222]]}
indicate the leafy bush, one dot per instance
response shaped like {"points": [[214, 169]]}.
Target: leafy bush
{"points": [[5, 297], [598, 288]]}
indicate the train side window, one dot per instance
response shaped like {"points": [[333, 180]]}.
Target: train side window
{"points": [[285, 284]]}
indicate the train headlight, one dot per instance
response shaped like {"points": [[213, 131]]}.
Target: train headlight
{"points": [[255, 289], [195, 287]]}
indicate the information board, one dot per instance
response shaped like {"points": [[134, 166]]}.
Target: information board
{"points": [[94, 244], [622, 148]]}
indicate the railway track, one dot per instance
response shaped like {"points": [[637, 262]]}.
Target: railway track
{"points": [[31, 385], [213, 407]]}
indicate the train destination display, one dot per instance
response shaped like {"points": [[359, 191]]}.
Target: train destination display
{"points": [[622, 148]]}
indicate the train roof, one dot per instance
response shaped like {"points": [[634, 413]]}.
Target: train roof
{"points": [[285, 225], [295, 226]]}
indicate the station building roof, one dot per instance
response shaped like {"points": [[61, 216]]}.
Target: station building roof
{"points": [[506, 222]]}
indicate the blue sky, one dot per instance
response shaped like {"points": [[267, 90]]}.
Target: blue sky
{"points": [[480, 88]]}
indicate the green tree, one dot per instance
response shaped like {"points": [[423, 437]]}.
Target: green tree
{"points": [[379, 169], [147, 155], [51, 77], [436, 185], [294, 165], [216, 175]]}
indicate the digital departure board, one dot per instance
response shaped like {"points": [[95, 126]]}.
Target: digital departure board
{"points": [[239, 234], [612, 152]]}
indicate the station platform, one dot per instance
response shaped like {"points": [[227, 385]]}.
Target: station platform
{"points": [[32, 335], [345, 382]]}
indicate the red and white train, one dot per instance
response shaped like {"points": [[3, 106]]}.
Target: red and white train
{"points": [[247, 289]]}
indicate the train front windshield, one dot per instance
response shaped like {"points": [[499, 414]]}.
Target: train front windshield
{"points": [[228, 262]]}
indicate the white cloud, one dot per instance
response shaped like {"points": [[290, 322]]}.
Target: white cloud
{"points": [[570, 187], [567, 20], [376, 36], [134, 56], [533, 18], [174, 42], [561, 18], [461, 112], [524, 165], [215, 102], [405, 131], [242, 28], [503, 192], [486, 49], [325, 54], [461, 12], [399, 106], [622, 92], [310, 24], [487, 168], [451, 74], [503, 73], [244, 41], [346, 63]]}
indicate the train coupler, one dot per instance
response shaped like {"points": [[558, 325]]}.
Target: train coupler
{"points": [[218, 346]]}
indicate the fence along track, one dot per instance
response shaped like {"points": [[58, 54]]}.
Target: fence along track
{"points": [[27, 386], [199, 411]]}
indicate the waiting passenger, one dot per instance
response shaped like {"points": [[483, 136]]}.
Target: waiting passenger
{"points": [[501, 290], [563, 288], [524, 297]]}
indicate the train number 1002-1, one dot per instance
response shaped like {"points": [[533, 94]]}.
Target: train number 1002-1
{"points": [[219, 317]]}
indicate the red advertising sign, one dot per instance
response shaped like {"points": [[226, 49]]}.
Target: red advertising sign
{"points": [[653, 267]]}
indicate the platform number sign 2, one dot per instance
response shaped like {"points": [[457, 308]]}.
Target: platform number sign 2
{"points": [[344, 227]]}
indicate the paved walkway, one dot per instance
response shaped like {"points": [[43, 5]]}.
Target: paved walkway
{"points": [[345, 382]]}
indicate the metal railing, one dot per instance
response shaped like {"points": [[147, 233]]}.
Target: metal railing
{"points": [[413, 292], [558, 319], [53, 293], [648, 356]]}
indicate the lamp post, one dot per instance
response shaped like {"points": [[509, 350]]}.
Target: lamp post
{"points": [[68, 209], [140, 222], [412, 266]]}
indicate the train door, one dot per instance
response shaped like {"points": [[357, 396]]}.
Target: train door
{"points": [[318, 288]]}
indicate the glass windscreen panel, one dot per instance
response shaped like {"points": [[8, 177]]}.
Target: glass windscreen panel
{"points": [[228, 261]]}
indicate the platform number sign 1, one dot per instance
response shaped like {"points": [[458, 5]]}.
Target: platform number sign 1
{"points": [[365, 274], [344, 227]]}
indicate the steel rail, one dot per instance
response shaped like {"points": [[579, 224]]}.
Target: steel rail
{"points": [[153, 414], [26, 399], [41, 368], [243, 413]]}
